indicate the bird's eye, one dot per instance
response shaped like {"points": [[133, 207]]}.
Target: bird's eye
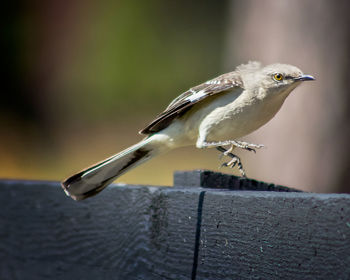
{"points": [[278, 77]]}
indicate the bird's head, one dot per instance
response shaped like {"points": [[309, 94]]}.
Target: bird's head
{"points": [[272, 80], [279, 79]]}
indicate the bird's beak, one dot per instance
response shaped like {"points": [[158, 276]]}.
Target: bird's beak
{"points": [[304, 78]]}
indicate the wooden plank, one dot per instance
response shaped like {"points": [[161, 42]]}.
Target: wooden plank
{"points": [[217, 180], [266, 235], [143, 232], [127, 232]]}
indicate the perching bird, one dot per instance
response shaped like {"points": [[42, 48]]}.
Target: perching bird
{"points": [[213, 114]]}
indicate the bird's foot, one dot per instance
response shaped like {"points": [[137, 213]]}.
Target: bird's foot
{"points": [[246, 146], [235, 160]]}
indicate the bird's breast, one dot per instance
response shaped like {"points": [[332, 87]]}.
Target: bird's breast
{"points": [[228, 120]]}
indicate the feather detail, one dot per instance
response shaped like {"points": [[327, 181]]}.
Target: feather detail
{"points": [[189, 98]]}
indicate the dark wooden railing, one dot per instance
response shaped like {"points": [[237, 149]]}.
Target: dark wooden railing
{"points": [[208, 226]]}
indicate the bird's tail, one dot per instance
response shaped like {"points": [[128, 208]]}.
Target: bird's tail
{"points": [[94, 179]]}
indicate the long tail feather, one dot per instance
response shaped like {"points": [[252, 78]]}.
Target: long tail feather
{"points": [[94, 179]]}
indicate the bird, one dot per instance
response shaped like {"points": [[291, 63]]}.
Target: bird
{"points": [[214, 114]]}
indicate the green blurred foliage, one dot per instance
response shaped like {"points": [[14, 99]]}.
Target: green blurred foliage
{"points": [[82, 73], [140, 55]]}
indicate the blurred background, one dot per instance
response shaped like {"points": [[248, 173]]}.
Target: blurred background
{"points": [[81, 78]]}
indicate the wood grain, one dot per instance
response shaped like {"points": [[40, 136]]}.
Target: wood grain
{"points": [[261, 235], [217, 180], [143, 232], [125, 233]]}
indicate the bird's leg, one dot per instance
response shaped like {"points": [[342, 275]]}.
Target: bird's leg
{"points": [[229, 150], [239, 144], [234, 161], [248, 146], [225, 152]]}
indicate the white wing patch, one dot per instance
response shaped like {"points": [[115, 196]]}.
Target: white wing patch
{"points": [[211, 87], [214, 82], [195, 96]]}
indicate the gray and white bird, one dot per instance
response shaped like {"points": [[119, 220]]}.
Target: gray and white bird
{"points": [[213, 114]]}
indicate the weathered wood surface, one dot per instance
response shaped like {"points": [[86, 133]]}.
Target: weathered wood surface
{"points": [[141, 232], [275, 236], [217, 180]]}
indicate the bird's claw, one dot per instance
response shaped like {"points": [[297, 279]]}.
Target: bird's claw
{"points": [[235, 160], [248, 146]]}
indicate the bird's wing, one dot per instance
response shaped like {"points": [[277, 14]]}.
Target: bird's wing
{"points": [[186, 100]]}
